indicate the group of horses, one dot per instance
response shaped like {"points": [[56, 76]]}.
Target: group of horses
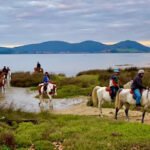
{"points": [[124, 98], [100, 95]]}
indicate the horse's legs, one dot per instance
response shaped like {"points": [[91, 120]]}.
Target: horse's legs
{"points": [[126, 111], [143, 115], [3, 89], [50, 103], [100, 107], [40, 97], [116, 112]]}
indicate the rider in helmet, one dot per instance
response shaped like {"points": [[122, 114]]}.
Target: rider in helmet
{"points": [[137, 86], [46, 80], [114, 83]]}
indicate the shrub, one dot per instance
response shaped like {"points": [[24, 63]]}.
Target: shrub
{"points": [[7, 138]]}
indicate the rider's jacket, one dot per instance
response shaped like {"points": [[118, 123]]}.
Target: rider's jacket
{"points": [[114, 81], [137, 83], [45, 79]]}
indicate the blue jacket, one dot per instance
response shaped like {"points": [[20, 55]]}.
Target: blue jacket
{"points": [[45, 79]]}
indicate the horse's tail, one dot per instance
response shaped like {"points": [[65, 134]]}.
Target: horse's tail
{"points": [[117, 101], [94, 96]]}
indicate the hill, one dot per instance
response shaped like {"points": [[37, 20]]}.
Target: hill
{"points": [[56, 47]]}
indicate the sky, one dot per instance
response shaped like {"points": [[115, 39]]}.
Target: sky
{"points": [[107, 21]]}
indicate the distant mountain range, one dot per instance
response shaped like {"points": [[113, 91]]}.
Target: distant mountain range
{"points": [[57, 47]]}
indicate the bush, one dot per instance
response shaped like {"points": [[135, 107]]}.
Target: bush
{"points": [[7, 138]]}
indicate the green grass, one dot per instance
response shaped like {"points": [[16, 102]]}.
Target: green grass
{"points": [[75, 132]]}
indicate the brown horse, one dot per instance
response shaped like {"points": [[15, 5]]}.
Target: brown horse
{"points": [[2, 82], [38, 70]]}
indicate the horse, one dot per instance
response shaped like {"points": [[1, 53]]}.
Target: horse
{"points": [[125, 98], [8, 78], [51, 90], [101, 95], [38, 70], [2, 82]]}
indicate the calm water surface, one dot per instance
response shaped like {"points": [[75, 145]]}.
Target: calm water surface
{"points": [[71, 64]]}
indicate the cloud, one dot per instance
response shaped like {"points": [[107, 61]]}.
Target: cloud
{"points": [[31, 21]]}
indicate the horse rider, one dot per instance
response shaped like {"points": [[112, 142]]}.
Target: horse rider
{"points": [[137, 87], [8, 69], [114, 83], [4, 70], [46, 80], [38, 65]]}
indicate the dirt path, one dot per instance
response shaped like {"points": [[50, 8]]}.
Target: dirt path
{"points": [[83, 109]]}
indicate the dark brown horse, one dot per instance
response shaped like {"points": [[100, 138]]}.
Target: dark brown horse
{"points": [[2, 82], [38, 70]]}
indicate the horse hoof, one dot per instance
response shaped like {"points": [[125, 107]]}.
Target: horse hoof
{"points": [[127, 120], [101, 116]]}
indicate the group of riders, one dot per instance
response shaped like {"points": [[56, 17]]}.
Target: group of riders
{"points": [[114, 83], [136, 87], [5, 71], [46, 77]]}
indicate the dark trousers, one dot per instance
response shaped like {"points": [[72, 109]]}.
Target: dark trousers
{"points": [[114, 91]]}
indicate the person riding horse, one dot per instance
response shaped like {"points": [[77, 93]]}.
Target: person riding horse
{"points": [[114, 83], [46, 80], [5, 71], [38, 65], [137, 87]]}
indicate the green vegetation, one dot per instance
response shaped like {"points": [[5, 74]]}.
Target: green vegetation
{"points": [[82, 84], [74, 132]]}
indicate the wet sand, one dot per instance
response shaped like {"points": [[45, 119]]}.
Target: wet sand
{"points": [[83, 109]]}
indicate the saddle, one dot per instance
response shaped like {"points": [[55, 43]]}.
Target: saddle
{"points": [[132, 92], [108, 89]]}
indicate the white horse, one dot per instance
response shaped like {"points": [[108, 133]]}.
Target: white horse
{"points": [[50, 92], [8, 80], [101, 95], [125, 98]]}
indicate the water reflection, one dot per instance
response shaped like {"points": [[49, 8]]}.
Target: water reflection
{"points": [[24, 99]]}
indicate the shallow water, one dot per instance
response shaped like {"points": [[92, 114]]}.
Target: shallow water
{"points": [[24, 99]]}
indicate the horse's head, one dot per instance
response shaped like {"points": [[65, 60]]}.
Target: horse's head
{"points": [[55, 89], [147, 92], [128, 85]]}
